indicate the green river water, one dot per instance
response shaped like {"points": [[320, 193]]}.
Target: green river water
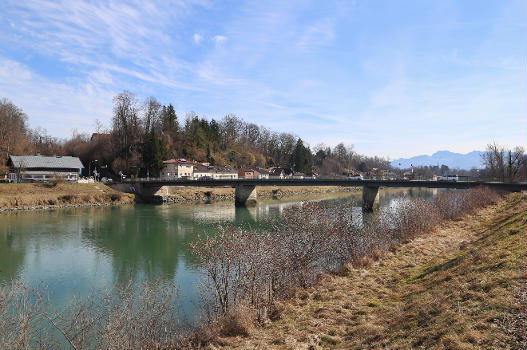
{"points": [[80, 250]]}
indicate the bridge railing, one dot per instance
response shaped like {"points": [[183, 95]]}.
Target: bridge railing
{"points": [[155, 179]]}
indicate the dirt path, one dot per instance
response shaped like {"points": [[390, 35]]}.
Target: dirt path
{"points": [[462, 286]]}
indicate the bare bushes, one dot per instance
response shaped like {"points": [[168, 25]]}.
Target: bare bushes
{"points": [[254, 269], [453, 205], [238, 321], [409, 218], [144, 320], [119, 318], [20, 309]]}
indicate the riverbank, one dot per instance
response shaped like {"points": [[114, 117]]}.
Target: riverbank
{"points": [[462, 285], [46, 196], [180, 194], [62, 195]]}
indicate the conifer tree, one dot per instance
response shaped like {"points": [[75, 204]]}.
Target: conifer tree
{"points": [[302, 159], [154, 152]]}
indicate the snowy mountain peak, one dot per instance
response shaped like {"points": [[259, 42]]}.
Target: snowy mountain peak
{"points": [[451, 159]]}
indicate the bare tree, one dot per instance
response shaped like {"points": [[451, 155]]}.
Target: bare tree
{"points": [[514, 163], [13, 128], [126, 125], [230, 129], [502, 164], [99, 126], [152, 115]]}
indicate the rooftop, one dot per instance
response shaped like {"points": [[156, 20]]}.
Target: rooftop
{"points": [[46, 162], [177, 161]]}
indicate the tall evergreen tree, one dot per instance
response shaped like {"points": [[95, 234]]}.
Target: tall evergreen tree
{"points": [[302, 159], [154, 152], [169, 122]]}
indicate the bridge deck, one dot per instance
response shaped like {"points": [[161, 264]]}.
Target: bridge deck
{"points": [[328, 182]]}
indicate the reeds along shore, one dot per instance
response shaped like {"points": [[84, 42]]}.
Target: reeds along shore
{"points": [[246, 275]]}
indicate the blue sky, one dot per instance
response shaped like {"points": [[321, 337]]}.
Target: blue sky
{"points": [[393, 78]]}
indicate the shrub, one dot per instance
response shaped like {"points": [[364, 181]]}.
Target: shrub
{"points": [[20, 310], [115, 197], [67, 198], [237, 322], [118, 318]]}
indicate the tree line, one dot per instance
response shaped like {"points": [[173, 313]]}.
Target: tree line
{"points": [[144, 133]]}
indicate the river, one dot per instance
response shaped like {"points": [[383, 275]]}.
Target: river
{"points": [[76, 251]]}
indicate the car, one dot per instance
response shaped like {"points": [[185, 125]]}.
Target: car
{"points": [[106, 180], [355, 177]]}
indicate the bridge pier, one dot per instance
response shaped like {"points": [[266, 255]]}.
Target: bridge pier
{"points": [[245, 195], [370, 198]]}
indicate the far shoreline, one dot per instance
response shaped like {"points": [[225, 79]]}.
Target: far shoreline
{"points": [[31, 196]]}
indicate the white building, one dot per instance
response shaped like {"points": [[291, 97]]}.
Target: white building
{"points": [[208, 172], [44, 168], [176, 169]]}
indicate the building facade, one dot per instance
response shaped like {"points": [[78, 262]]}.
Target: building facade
{"points": [[208, 172], [176, 169], [44, 168], [247, 173], [280, 173]]}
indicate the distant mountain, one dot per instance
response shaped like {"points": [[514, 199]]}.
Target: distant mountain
{"points": [[450, 159]]}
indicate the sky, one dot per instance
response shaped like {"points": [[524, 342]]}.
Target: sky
{"points": [[392, 78]]}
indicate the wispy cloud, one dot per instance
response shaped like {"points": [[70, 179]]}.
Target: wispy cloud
{"points": [[319, 34], [218, 39], [390, 81], [11, 69], [197, 38], [58, 107]]}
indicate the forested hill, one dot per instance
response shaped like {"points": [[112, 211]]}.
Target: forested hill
{"points": [[143, 134]]}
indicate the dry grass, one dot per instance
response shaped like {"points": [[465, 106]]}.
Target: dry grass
{"points": [[35, 195], [462, 286]]}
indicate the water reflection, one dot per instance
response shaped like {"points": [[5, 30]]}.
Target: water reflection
{"points": [[10, 250]]}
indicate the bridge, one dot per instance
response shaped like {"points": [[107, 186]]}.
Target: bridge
{"points": [[246, 194]]}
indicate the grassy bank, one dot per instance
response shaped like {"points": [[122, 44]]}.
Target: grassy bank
{"points": [[36, 196], [460, 286]]}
